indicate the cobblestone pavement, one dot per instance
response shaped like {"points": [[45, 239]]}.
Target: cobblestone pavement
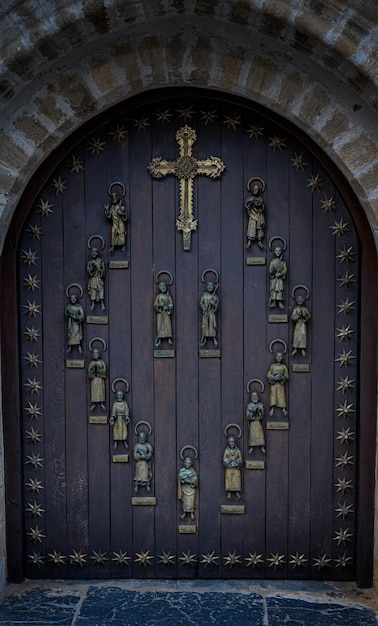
{"points": [[188, 603]]}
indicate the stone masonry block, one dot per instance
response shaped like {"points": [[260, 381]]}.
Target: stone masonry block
{"points": [[358, 152], [314, 101], [262, 74]]}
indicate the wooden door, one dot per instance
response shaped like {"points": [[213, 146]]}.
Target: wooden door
{"points": [[296, 515]]}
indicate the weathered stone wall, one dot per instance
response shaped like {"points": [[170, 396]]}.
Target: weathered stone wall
{"points": [[312, 61]]}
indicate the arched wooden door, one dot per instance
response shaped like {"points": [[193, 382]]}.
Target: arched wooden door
{"points": [[141, 214]]}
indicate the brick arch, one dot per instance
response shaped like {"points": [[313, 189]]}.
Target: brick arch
{"points": [[68, 62]]}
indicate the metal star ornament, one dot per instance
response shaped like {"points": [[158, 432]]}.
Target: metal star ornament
{"points": [[163, 116], [345, 358], [98, 558], [232, 121], [254, 560], [29, 257], [185, 112], [232, 559], [340, 228], [33, 410], [209, 559], [254, 131], [75, 164], [32, 334], [36, 559], [344, 460], [345, 435], [95, 145], [121, 558], [32, 359], [188, 559], [328, 204], [143, 558], [345, 409], [297, 560], [299, 162], [345, 384], [276, 560], [166, 559], [346, 306], [346, 255], [142, 123], [31, 282], [34, 509], [35, 460], [344, 333], [208, 116], [346, 280], [277, 143], [34, 436], [36, 534], [32, 309], [344, 509], [119, 133], [45, 208], [342, 536], [35, 231], [343, 485], [57, 558], [34, 485], [315, 183], [343, 560], [33, 386], [77, 558], [322, 561], [58, 185]]}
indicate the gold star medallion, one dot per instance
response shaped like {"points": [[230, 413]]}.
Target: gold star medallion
{"points": [[58, 185], [95, 145], [34, 436], [36, 534], [77, 558], [35, 460], [34, 509], [29, 257], [299, 162], [209, 116], [315, 183], [166, 559], [322, 561], [75, 164], [98, 558], [232, 559], [209, 559], [277, 143], [119, 133], [188, 559], [254, 560], [57, 558], [45, 208], [143, 558], [120, 558]]}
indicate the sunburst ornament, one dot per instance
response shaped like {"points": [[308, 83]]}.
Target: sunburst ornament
{"points": [[345, 409], [345, 384], [297, 560], [34, 436], [119, 133], [99, 558], [232, 559], [346, 254], [343, 560], [29, 257], [34, 509], [276, 560], [185, 112], [31, 282], [34, 485], [209, 559], [232, 121], [254, 131], [33, 386], [142, 123], [344, 509], [143, 558], [166, 559], [45, 208], [121, 558], [299, 162], [328, 204], [340, 228], [321, 561], [33, 410], [254, 560], [36, 559], [342, 536], [343, 485], [315, 183], [277, 143], [32, 309], [346, 280], [35, 231], [58, 185], [75, 164], [32, 359], [345, 358], [36, 534], [344, 460], [96, 145], [77, 558], [163, 116], [57, 558], [209, 117], [34, 460], [188, 559], [32, 334], [346, 306], [344, 333], [345, 435]]}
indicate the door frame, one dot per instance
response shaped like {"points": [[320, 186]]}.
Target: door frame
{"points": [[12, 408]]}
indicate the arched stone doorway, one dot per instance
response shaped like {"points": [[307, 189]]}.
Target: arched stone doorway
{"points": [[302, 503]]}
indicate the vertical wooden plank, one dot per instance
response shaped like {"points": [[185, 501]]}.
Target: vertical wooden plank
{"points": [[255, 354], [142, 327]]}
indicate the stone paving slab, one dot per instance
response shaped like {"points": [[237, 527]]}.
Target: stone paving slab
{"points": [[187, 603]]}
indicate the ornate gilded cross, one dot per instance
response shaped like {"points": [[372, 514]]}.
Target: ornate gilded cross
{"points": [[186, 168]]}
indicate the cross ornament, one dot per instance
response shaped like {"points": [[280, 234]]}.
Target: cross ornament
{"points": [[185, 168]]}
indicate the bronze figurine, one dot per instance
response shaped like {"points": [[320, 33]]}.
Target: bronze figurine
{"points": [[163, 307], [256, 212], [209, 306], [255, 415], [115, 211], [232, 461], [75, 316], [300, 316], [277, 275], [97, 373], [119, 419], [277, 376], [96, 273], [142, 453], [187, 485]]}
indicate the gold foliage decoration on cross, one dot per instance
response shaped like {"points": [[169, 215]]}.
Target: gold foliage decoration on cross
{"points": [[185, 168]]}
